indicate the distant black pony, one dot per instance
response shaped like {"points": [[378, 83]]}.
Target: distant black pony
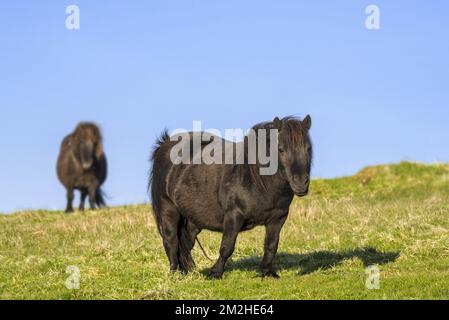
{"points": [[82, 165], [229, 198]]}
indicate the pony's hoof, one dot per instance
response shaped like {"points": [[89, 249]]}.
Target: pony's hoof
{"points": [[214, 275], [183, 272], [270, 274]]}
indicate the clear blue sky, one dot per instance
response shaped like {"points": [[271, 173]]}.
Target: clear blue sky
{"points": [[136, 67]]}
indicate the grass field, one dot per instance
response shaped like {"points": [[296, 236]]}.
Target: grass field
{"points": [[395, 217]]}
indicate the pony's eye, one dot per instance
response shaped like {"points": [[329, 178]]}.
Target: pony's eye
{"points": [[281, 150]]}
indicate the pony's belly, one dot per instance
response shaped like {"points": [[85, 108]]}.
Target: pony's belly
{"points": [[206, 223], [203, 214], [249, 225]]}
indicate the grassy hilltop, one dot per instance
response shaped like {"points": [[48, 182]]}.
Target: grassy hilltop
{"points": [[395, 217]]}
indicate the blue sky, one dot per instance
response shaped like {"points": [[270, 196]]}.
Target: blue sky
{"points": [[136, 67]]}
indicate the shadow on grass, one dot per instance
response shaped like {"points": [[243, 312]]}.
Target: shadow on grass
{"points": [[319, 260]]}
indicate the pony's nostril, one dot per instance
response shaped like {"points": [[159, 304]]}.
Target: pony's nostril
{"points": [[304, 180]]}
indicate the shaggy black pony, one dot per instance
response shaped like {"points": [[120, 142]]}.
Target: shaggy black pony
{"points": [[82, 165], [229, 198]]}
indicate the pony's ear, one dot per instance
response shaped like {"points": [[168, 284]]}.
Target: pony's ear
{"points": [[307, 122], [277, 123]]}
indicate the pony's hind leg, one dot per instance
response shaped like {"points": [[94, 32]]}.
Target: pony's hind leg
{"points": [[170, 221], [82, 199], [92, 190], [193, 232], [187, 233]]}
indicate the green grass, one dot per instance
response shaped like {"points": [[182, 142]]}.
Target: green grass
{"points": [[395, 217]]}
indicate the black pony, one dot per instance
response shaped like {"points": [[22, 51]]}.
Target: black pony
{"points": [[229, 198]]}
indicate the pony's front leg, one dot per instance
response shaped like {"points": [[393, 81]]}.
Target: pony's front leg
{"points": [[70, 197], [232, 226], [273, 230]]}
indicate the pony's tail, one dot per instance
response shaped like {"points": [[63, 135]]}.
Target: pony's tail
{"points": [[99, 198], [202, 249], [156, 179], [185, 245], [156, 183]]}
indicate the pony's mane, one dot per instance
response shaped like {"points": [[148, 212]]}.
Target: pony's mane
{"points": [[292, 129], [92, 128]]}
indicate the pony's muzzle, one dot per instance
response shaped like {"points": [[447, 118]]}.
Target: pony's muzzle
{"points": [[302, 194], [86, 165], [301, 185]]}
